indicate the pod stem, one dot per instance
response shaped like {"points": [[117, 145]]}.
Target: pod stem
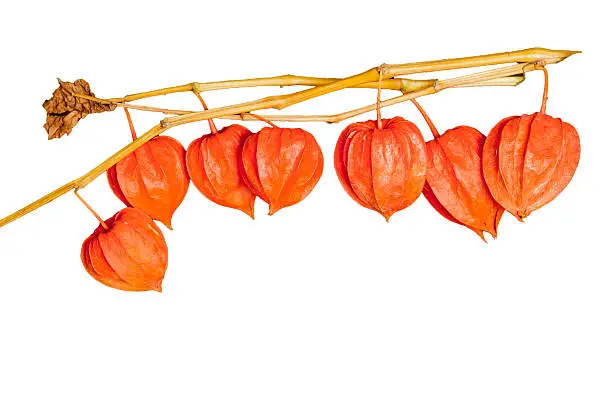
{"points": [[129, 119], [211, 123], [432, 127], [380, 78], [261, 118], [95, 214], [545, 92]]}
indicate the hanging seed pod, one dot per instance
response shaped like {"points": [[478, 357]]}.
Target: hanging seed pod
{"points": [[213, 165], [528, 160], [153, 178], [281, 165], [126, 252], [382, 163], [455, 185], [382, 167]]}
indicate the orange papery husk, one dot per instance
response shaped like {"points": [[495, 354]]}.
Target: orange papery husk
{"points": [[153, 178], [528, 160], [281, 165], [455, 185], [130, 255], [382, 169], [213, 165]]}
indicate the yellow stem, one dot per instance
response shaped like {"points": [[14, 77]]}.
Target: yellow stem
{"points": [[437, 87], [39, 203], [543, 55], [398, 84], [513, 80]]}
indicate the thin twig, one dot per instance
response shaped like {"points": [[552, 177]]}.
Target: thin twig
{"points": [[398, 84], [513, 80]]}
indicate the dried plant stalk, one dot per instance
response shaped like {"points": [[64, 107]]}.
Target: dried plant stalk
{"points": [[526, 60], [513, 80]]}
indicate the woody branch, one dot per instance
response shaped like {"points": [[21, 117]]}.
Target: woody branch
{"points": [[522, 61]]}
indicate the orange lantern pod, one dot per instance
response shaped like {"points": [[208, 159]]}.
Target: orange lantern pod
{"points": [[213, 165], [455, 185], [382, 167], [528, 160], [381, 163], [153, 178], [281, 165], [126, 252]]}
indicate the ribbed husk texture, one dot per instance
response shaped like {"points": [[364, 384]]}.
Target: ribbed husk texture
{"points": [[281, 165], [213, 165], [131, 255], [382, 169], [153, 178], [528, 160], [455, 185]]}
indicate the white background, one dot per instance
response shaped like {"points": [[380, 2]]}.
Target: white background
{"points": [[323, 304]]}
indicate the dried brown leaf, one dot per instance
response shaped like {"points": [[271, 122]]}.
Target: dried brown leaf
{"points": [[64, 110]]}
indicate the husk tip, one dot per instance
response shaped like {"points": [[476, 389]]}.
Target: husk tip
{"points": [[386, 214], [273, 209], [167, 223], [250, 211], [520, 216], [157, 287]]}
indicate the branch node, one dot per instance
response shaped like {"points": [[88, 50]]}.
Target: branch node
{"points": [[383, 69]]}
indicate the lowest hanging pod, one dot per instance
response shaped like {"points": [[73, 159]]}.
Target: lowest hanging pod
{"points": [[126, 252]]}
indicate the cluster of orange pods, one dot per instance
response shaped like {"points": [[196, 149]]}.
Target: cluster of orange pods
{"points": [[231, 167], [383, 164]]}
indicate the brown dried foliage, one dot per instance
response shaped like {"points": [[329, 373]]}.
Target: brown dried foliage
{"points": [[64, 109]]}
